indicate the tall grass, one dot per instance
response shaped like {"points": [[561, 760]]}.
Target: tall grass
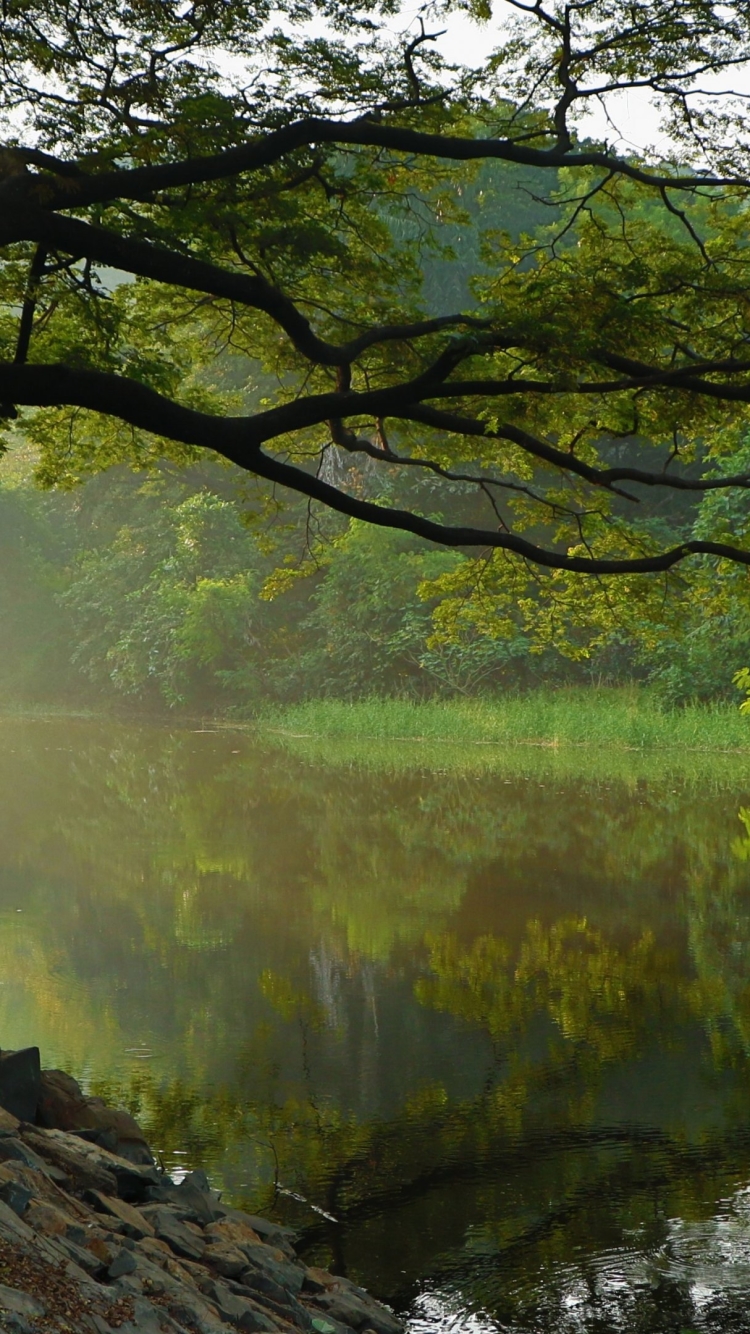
{"points": [[622, 719]]}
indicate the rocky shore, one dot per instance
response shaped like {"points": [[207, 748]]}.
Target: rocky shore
{"points": [[94, 1237]]}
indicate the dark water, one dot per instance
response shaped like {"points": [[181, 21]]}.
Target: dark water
{"points": [[484, 1039]]}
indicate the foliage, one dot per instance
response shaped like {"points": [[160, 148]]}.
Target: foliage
{"points": [[340, 262]]}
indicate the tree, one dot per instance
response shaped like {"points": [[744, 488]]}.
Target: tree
{"points": [[181, 183]]}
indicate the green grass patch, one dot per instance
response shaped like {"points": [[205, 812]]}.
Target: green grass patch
{"points": [[623, 720]]}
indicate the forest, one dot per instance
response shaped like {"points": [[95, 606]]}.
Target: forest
{"points": [[171, 585]]}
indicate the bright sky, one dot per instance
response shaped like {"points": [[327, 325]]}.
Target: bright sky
{"points": [[631, 121]]}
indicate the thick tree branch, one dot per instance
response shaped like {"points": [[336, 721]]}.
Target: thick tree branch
{"points": [[185, 271], [457, 424], [238, 440], [141, 183]]}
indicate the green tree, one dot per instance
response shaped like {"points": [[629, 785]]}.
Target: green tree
{"points": [[279, 194]]}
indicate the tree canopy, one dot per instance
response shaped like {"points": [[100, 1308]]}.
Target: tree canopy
{"points": [[189, 188]]}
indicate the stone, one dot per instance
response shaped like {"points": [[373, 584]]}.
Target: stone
{"points": [[318, 1280], [63, 1105], [13, 1228], [16, 1195], [20, 1303], [46, 1218], [351, 1310], [157, 1251], [238, 1311], [271, 1233], [134, 1223], [8, 1123], [265, 1290], [229, 1232], [63, 1152], [117, 1176], [146, 1319], [178, 1235], [124, 1262], [102, 1250], [20, 1080], [226, 1260], [12, 1148], [288, 1276]]}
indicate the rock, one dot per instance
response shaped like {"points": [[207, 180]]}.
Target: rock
{"points": [[102, 1251], [63, 1105], [124, 1262], [156, 1251], [288, 1276], [134, 1223], [20, 1081], [350, 1309], [271, 1233], [192, 1198], [238, 1311], [318, 1280], [8, 1123], [13, 1148], [323, 1325], [12, 1228], [263, 1289], [229, 1232], [181, 1263], [46, 1218], [226, 1260], [15, 1195], [20, 1303], [145, 1318], [93, 1168], [167, 1227]]}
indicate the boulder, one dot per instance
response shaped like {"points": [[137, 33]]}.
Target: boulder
{"points": [[179, 1236], [93, 1168], [226, 1260], [62, 1105], [20, 1082], [134, 1223]]}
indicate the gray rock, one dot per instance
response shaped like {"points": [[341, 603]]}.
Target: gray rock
{"points": [[271, 1233], [273, 1295], [123, 1263], [351, 1310], [20, 1303], [177, 1236], [12, 1228], [288, 1276], [147, 1319], [20, 1081], [133, 1222], [76, 1160], [13, 1149], [15, 1195]]}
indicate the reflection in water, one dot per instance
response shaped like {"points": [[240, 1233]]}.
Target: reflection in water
{"points": [[497, 1027]]}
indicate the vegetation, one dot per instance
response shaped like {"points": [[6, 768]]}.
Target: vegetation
{"points": [[154, 592], [623, 719], [222, 232]]}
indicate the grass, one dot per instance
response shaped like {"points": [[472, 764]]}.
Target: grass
{"points": [[622, 719]]}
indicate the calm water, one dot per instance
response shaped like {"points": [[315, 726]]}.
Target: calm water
{"points": [[484, 1040]]}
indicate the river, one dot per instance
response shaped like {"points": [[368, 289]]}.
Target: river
{"points": [[480, 1032]]}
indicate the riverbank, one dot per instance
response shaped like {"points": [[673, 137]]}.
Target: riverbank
{"points": [[620, 719], [95, 1237]]}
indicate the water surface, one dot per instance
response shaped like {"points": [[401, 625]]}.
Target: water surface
{"points": [[481, 1036]]}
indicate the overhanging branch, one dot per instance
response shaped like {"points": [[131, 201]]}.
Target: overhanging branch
{"points": [[237, 439]]}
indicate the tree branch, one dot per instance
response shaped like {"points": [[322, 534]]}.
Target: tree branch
{"points": [[238, 440]]}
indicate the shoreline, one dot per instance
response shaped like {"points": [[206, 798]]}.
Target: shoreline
{"points": [[95, 1237]]}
